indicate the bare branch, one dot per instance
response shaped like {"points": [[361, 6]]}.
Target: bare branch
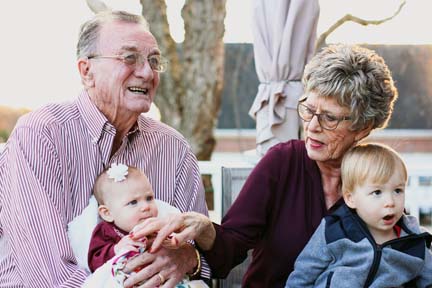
{"points": [[348, 17], [97, 6]]}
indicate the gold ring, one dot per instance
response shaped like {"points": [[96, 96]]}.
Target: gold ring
{"points": [[161, 278]]}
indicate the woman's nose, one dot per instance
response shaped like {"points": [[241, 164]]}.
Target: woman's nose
{"points": [[314, 123]]}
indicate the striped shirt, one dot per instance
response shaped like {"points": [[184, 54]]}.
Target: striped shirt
{"points": [[47, 171]]}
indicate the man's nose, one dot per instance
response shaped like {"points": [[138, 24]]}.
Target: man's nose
{"points": [[144, 70]]}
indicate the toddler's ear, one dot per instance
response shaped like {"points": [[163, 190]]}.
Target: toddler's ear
{"points": [[349, 201], [105, 214]]}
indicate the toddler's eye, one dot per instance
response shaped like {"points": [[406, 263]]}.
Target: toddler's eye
{"points": [[398, 191], [133, 202], [376, 192], [149, 198]]}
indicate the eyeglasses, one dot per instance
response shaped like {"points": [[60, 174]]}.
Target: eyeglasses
{"points": [[136, 60], [326, 121]]}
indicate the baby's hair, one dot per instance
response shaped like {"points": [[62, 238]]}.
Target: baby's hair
{"points": [[100, 186], [370, 162]]}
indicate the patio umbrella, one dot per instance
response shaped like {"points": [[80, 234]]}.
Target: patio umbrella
{"points": [[284, 38]]}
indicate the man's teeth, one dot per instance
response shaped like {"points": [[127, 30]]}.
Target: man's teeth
{"points": [[138, 90]]}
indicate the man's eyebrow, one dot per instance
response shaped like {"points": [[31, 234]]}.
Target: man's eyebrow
{"points": [[152, 51]]}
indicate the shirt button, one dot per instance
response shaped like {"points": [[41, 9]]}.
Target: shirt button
{"points": [[95, 140]]}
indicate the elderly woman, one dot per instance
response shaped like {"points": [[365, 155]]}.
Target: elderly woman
{"points": [[349, 91]]}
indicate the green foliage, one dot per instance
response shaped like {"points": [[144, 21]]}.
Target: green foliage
{"points": [[4, 135]]}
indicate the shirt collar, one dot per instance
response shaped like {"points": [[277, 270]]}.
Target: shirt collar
{"points": [[95, 121], [93, 118]]}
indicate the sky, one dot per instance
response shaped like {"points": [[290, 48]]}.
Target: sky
{"points": [[38, 39]]}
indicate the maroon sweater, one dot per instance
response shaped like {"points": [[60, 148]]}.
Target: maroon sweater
{"points": [[101, 249], [276, 212]]}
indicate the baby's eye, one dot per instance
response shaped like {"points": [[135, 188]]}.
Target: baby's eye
{"points": [[149, 198], [376, 192], [133, 202], [398, 191]]}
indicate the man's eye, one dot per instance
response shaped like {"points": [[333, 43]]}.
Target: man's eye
{"points": [[133, 202], [154, 61], [130, 59]]}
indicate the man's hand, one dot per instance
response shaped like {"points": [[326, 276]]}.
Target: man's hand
{"points": [[166, 265]]}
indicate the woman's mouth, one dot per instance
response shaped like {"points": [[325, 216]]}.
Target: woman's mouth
{"points": [[315, 143]]}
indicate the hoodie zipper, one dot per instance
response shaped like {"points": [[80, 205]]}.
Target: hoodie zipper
{"points": [[378, 253]]}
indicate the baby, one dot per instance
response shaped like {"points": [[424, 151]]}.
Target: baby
{"points": [[369, 242], [125, 198], [123, 203]]}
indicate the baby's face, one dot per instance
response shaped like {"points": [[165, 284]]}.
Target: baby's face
{"points": [[380, 206], [131, 201]]}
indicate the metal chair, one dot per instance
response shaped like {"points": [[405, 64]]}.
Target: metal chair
{"points": [[233, 179]]}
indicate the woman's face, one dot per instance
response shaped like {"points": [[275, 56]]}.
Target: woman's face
{"points": [[328, 145]]}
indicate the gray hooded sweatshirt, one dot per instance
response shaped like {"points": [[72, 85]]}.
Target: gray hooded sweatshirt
{"points": [[342, 253]]}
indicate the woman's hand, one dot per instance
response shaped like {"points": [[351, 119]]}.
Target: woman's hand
{"points": [[175, 230], [164, 268]]}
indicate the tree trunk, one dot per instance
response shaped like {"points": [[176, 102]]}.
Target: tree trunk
{"points": [[189, 95]]}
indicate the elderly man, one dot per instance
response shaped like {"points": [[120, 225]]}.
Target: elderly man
{"points": [[50, 163]]}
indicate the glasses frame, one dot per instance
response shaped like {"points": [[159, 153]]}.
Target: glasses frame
{"points": [[319, 117], [122, 58]]}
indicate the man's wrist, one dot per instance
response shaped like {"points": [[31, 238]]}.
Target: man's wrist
{"points": [[197, 269]]}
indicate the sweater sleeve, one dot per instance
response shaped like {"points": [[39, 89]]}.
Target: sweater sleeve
{"points": [[247, 219], [101, 247], [425, 277], [312, 261]]}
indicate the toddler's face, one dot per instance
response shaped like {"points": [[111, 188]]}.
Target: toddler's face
{"points": [[380, 206], [131, 201]]}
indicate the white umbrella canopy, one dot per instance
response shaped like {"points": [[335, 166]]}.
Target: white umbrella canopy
{"points": [[284, 40]]}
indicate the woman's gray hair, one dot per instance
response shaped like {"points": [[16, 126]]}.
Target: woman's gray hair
{"points": [[357, 78], [89, 32]]}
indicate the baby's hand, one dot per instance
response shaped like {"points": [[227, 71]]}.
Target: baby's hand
{"points": [[127, 244]]}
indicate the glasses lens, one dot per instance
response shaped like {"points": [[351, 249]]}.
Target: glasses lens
{"points": [[158, 63], [304, 112], [328, 122], [130, 59]]}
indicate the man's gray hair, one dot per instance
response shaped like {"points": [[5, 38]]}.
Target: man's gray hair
{"points": [[357, 78], [89, 32]]}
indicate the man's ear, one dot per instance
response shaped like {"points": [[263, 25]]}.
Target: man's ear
{"points": [[105, 214], [85, 73], [349, 201]]}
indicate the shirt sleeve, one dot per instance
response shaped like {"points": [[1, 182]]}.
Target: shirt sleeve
{"points": [[192, 190], [425, 277], [33, 219], [312, 261], [101, 246]]}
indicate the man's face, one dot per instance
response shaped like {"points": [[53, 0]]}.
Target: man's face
{"points": [[119, 87]]}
